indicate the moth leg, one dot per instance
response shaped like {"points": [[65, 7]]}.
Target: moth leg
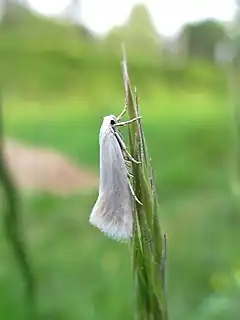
{"points": [[130, 175], [128, 163], [122, 113], [123, 146], [133, 193], [124, 123], [126, 160], [120, 135], [130, 157]]}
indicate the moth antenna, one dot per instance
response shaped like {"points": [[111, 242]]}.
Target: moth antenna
{"points": [[122, 113]]}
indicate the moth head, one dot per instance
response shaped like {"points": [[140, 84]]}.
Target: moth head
{"points": [[112, 120], [108, 124]]}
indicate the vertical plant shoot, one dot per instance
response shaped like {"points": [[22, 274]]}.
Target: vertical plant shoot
{"points": [[148, 245]]}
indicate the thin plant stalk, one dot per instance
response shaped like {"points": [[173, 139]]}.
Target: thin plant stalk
{"points": [[148, 246], [13, 224]]}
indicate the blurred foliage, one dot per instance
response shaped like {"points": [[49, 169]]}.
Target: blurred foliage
{"points": [[139, 35], [37, 52], [200, 39]]}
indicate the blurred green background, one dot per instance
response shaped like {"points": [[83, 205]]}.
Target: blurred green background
{"points": [[58, 81]]}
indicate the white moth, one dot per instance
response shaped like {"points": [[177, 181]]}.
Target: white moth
{"points": [[113, 210]]}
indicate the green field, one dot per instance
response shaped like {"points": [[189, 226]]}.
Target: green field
{"points": [[57, 97], [82, 274]]}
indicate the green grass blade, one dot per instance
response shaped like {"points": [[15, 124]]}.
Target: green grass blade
{"points": [[147, 241]]}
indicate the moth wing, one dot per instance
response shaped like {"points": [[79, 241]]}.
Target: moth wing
{"points": [[112, 212]]}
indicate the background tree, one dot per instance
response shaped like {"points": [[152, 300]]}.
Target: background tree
{"points": [[139, 34], [200, 39]]}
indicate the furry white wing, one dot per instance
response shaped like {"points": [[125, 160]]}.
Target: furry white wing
{"points": [[112, 212]]}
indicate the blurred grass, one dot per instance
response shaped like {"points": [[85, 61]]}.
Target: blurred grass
{"points": [[56, 94], [82, 274]]}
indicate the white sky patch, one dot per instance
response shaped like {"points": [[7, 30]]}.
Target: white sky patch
{"points": [[168, 16]]}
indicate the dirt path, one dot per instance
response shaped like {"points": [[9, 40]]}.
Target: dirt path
{"points": [[42, 169]]}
